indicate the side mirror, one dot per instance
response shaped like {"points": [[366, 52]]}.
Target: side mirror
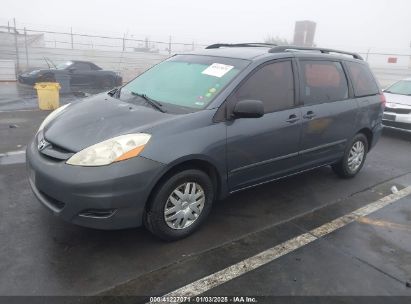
{"points": [[248, 109], [71, 70]]}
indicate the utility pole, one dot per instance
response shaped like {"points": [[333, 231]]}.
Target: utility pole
{"points": [[26, 46], [169, 45], [124, 42], [72, 41], [409, 64], [17, 49], [368, 52]]}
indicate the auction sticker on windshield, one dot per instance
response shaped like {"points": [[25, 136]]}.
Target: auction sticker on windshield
{"points": [[217, 70]]}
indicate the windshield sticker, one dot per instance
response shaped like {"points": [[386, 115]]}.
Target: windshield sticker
{"points": [[217, 70]]}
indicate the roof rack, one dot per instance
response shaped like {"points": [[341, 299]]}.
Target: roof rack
{"points": [[285, 48], [247, 44]]}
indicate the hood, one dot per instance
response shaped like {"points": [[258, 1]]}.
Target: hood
{"points": [[33, 72], [398, 99], [99, 118]]}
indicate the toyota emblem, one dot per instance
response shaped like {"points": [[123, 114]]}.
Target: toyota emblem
{"points": [[42, 144]]}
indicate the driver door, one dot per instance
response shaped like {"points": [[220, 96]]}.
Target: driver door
{"points": [[81, 74], [260, 149]]}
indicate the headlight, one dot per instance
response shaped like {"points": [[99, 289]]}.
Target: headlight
{"points": [[51, 116], [112, 150]]}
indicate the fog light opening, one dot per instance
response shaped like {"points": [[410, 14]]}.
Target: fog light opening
{"points": [[98, 213]]}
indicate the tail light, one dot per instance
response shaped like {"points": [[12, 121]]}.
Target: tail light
{"points": [[382, 99]]}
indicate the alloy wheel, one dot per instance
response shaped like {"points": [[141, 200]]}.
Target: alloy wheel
{"points": [[356, 156], [184, 205]]}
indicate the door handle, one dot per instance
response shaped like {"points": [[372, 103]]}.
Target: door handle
{"points": [[292, 118], [309, 115]]}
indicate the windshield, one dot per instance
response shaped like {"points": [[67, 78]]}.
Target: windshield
{"points": [[187, 81], [64, 65], [402, 87]]}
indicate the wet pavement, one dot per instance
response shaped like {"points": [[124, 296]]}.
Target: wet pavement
{"points": [[41, 255], [17, 97], [366, 258]]}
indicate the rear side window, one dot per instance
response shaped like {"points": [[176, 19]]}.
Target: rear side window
{"points": [[81, 66], [273, 84], [323, 81], [362, 79]]}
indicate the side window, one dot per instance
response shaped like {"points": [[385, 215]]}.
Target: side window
{"points": [[81, 66], [362, 79], [323, 81], [273, 84]]}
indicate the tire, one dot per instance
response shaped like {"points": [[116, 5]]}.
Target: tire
{"points": [[107, 83], [185, 213], [343, 168]]}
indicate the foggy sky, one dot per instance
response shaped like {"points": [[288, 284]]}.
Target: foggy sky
{"points": [[353, 24]]}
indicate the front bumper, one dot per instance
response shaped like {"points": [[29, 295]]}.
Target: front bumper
{"points": [[107, 197], [397, 121]]}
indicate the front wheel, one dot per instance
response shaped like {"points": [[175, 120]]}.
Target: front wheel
{"points": [[354, 157], [180, 205]]}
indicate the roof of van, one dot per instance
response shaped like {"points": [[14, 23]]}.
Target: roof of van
{"points": [[252, 51], [234, 52]]}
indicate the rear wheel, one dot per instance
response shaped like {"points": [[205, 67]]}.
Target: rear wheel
{"points": [[354, 157], [107, 83], [180, 205]]}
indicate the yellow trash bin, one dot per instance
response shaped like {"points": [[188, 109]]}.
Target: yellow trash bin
{"points": [[48, 95]]}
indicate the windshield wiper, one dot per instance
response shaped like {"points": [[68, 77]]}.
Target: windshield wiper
{"points": [[151, 101], [113, 92]]}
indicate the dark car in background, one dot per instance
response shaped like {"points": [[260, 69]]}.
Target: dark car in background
{"points": [[75, 73], [198, 127]]}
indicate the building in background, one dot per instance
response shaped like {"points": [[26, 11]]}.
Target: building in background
{"points": [[304, 33]]}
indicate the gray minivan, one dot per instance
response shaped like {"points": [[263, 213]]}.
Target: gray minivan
{"points": [[196, 127]]}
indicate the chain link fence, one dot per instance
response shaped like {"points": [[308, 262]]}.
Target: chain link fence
{"points": [[23, 49]]}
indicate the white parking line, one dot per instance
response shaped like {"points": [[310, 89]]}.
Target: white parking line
{"points": [[11, 153], [12, 157], [202, 285]]}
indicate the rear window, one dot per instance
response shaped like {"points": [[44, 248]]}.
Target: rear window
{"points": [[362, 79], [323, 81]]}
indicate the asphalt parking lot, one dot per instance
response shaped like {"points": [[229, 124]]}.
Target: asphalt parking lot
{"points": [[370, 255]]}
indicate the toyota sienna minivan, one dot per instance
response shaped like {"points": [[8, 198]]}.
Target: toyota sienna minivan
{"points": [[197, 127]]}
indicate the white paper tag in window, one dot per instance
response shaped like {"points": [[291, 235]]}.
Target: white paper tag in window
{"points": [[217, 70]]}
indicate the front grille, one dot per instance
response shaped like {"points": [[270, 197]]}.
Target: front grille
{"points": [[400, 125], [397, 110], [52, 201], [55, 152]]}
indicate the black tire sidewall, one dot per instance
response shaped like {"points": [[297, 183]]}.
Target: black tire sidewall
{"points": [[107, 82], [347, 171], [155, 221]]}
